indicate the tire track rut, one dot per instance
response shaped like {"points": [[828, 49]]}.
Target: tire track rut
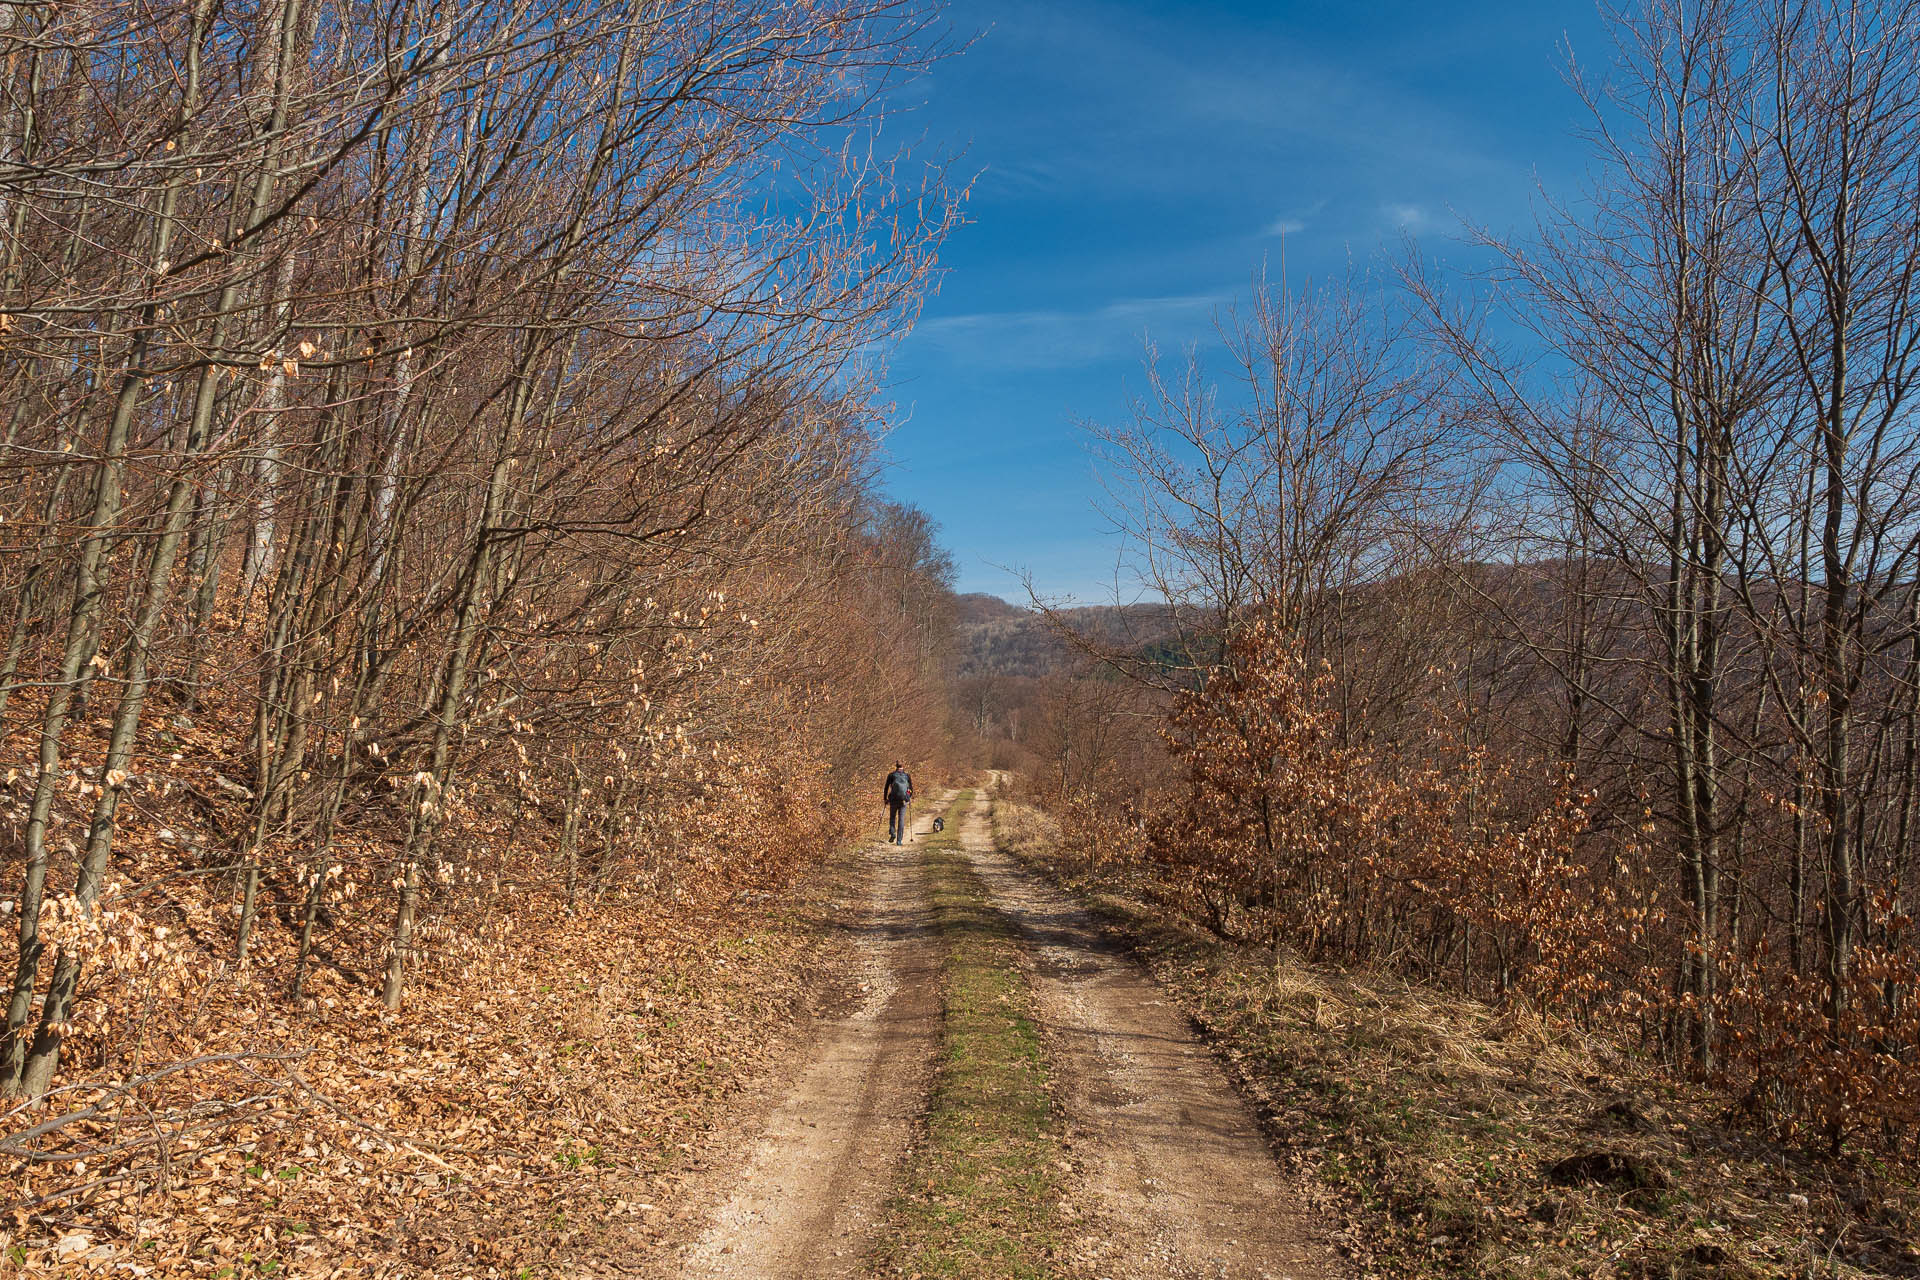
{"points": [[816, 1183], [1173, 1179]]}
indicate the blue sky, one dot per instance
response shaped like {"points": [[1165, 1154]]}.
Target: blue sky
{"points": [[1138, 164]]}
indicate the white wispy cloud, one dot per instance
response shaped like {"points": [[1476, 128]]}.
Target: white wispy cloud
{"points": [[1148, 114], [1284, 227], [1021, 178], [1408, 217], [1059, 339]]}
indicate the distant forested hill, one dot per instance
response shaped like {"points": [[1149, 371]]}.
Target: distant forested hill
{"points": [[1001, 639]]}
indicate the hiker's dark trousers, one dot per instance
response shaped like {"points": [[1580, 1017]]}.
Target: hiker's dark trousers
{"points": [[897, 821]]}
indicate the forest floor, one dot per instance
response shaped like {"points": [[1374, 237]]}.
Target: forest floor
{"points": [[959, 1058], [917, 1060], [1009, 1095], [543, 1111]]}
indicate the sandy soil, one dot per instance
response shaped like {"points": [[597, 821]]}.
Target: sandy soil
{"points": [[815, 1182], [1171, 1177]]}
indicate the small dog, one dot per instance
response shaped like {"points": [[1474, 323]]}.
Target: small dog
{"points": [[939, 824]]}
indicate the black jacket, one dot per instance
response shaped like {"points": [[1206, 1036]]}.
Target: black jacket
{"points": [[898, 788]]}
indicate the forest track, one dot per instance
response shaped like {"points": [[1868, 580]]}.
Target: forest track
{"points": [[1172, 1179], [816, 1181]]}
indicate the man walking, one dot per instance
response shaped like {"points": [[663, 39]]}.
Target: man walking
{"points": [[898, 792]]}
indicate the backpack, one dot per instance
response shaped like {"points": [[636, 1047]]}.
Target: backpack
{"points": [[899, 786]]}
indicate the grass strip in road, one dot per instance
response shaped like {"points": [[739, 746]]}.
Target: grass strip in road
{"points": [[981, 1196]]}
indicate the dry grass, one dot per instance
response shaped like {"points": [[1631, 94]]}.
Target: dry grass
{"points": [[1466, 1140], [1023, 830]]}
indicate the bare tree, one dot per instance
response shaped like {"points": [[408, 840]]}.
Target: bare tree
{"points": [[508, 339]]}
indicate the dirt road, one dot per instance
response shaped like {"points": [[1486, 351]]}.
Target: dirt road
{"points": [[1171, 1179], [819, 1176], [1171, 1175]]}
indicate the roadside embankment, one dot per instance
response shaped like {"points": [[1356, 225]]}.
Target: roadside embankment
{"points": [[1461, 1139]]}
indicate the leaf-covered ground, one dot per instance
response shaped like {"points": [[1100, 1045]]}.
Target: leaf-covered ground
{"points": [[497, 1126], [542, 1089]]}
